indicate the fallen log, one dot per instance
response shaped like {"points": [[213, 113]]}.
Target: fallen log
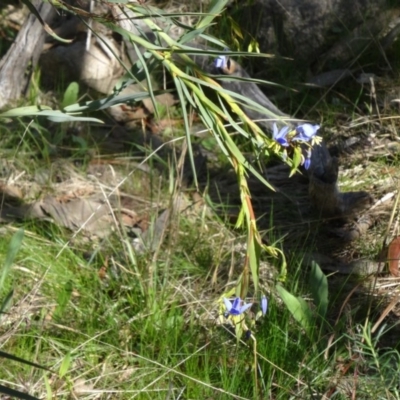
{"points": [[19, 62]]}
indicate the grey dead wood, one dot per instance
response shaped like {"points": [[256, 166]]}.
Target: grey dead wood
{"points": [[23, 53]]}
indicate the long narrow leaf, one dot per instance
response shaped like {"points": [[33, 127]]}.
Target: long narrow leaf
{"points": [[21, 360], [232, 122], [46, 27], [178, 85], [5, 305], [54, 115], [319, 289], [23, 111], [13, 248], [192, 34], [188, 96], [215, 8], [232, 149], [148, 79], [16, 393], [111, 100], [253, 254], [208, 119], [208, 82], [155, 12]]}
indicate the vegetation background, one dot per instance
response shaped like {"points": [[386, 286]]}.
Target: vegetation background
{"points": [[130, 304]]}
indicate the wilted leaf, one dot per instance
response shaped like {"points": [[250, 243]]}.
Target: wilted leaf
{"points": [[78, 213], [91, 215], [394, 256], [82, 387]]}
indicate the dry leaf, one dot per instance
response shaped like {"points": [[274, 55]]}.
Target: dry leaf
{"points": [[394, 256], [81, 387], [89, 215]]}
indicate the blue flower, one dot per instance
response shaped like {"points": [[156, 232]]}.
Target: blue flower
{"points": [[221, 61], [306, 132], [264, 305], [235, 307], [307, 162], [280, 135]]}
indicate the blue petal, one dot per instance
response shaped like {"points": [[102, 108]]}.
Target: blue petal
{"points": [[283, 132], [228, 304], [234, 311], [275, 131], [236, 304], [307, 161], [245, 307], [247, 335], [283, 142], [306, 131], [233, 308], [220, 61], [280, 135], [264, 305]]}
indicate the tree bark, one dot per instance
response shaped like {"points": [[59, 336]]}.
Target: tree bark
{"points": [[24, 52]]}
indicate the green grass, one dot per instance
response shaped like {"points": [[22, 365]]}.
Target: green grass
{"points": [[150, 329]]}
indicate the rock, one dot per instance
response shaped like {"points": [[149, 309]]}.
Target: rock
{"points": [[95, 68], [306, 30], [25, 50]]}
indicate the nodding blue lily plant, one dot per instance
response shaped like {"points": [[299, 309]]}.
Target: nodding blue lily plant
{"points": [[236, 308], [235, 312], [305, 133]]}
